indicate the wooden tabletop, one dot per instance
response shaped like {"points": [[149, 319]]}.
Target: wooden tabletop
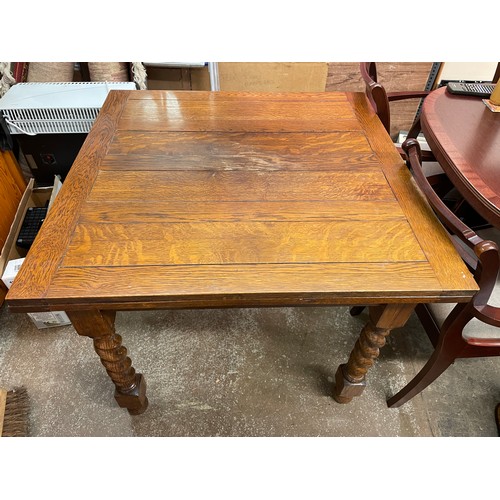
{"points": [[465, 137], [200, 199]]}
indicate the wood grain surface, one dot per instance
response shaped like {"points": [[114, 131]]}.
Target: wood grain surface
{"points": [[200, 199]]}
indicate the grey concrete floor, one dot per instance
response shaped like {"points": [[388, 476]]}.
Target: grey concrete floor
{"points": [[241, 372]]}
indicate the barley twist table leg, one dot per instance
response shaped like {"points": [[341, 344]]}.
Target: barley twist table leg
{"points": [[130, 386], [350, 377]]}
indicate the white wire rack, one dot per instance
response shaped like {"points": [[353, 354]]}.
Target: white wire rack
{"points": [[50, 121], [59, 107]]}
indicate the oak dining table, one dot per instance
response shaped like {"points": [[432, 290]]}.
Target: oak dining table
{"points": [[197, 199]]}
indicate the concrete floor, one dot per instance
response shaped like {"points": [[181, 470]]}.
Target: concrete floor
{"points": [[241, 372]]}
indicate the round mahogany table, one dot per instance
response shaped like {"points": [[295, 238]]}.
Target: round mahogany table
{"points": [[464, 135]]}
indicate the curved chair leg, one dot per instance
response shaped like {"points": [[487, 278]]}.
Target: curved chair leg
{"points": [[450, 346], [436, 365], [356, 310]]}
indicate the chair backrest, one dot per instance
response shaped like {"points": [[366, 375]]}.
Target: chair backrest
{"points": [[376, 93], [484, 260]]}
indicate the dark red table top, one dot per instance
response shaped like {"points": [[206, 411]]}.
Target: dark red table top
{"points": [[465, 137]]}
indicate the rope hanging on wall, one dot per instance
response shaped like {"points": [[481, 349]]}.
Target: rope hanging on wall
{"points": [[6, 78], [139, 75]]}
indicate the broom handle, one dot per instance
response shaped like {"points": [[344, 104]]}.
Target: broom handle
{"points": [[3, 402]]}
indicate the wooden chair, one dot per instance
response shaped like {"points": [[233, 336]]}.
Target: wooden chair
{"points": [[466, 329], [380, 99]]}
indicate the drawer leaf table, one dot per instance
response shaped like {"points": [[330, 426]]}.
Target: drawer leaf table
{"points": [[237, 199]]}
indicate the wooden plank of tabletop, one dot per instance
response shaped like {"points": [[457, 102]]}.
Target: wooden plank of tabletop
{"points": [[237, 150], [239, 96], [248, 114], [363, 184], [112, 211], [191, 286], [287, 144], [243, 242]]}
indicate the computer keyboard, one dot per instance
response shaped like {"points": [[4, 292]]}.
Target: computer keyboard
{"points": [[31, 224], [483, 90]]}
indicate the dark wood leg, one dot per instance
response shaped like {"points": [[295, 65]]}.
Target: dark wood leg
{"points": [[350, 377], [100, 326]]}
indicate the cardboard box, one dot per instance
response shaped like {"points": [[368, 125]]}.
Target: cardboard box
{"points": [[12, 257], [273, 76]]}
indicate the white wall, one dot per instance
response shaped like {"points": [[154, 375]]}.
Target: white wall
{"points": [[468, 71]]}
